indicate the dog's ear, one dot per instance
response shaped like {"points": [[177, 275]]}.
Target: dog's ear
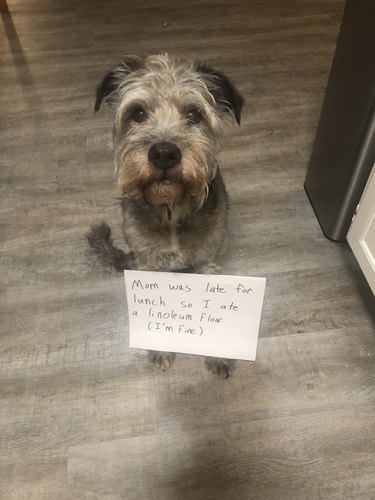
{"points": [[222, 89], [107, 88]]}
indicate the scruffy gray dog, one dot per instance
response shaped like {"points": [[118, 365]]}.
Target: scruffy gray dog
{"points": [[169, 118]]}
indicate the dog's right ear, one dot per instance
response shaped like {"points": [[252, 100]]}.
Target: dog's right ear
{"points": [[107, 89]]}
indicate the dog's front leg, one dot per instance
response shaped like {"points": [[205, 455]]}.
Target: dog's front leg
{"points": [[162, 360], [209, 268], [221, 367]]}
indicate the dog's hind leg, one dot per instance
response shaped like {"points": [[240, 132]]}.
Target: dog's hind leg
{"points": [[101, 243]]}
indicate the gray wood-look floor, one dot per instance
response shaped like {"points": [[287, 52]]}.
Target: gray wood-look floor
{"points": [[82, 416]]}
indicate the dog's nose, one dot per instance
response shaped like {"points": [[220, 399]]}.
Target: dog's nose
{"points": [[164, 155]]}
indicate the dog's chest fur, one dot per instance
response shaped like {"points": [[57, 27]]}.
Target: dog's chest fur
{"points": [[178, 239]]}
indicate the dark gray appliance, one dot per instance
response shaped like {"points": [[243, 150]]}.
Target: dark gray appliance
{"points": [[344, 148]]}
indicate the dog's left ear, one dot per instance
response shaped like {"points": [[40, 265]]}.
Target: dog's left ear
{"points": [[222, 89], [107, 89]]}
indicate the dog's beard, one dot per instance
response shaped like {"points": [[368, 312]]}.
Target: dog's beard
{"points": [[169, 188], [164, 193]]}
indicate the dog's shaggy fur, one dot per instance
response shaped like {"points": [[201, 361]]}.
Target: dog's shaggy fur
{"points": [[169, 119]]}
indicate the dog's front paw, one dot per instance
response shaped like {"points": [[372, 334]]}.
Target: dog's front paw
{"points": [[223, 368], [209, 268], [162, 360]]}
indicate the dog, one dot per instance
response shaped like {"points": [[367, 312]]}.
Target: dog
{"points": [[169, 118]]}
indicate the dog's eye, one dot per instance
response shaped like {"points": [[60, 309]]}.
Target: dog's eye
{"points": [[139, 115], [194, 116]]}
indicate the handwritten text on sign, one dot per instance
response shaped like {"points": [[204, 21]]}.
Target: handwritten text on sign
{"points": [[210, 315]]}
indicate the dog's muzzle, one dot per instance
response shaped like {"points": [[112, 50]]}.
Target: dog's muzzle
{"points": [[164, 155]]}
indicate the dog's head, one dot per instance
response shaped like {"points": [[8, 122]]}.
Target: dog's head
{"points": [[169, 115]]}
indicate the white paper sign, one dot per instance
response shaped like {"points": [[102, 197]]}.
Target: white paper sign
{"points": [[202, 314]]}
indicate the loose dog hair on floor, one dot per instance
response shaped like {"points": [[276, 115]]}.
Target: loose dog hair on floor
{"points": [[169, 118]]}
